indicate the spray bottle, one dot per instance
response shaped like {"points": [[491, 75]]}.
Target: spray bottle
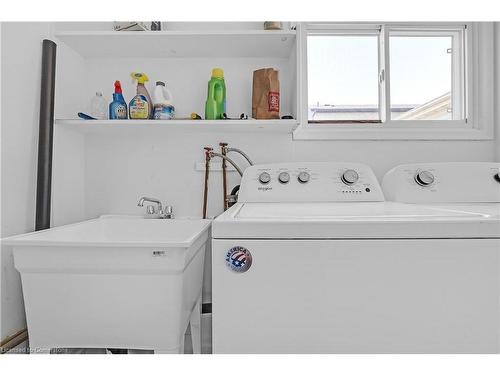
{"points": [[141, 106], [118, 107]]}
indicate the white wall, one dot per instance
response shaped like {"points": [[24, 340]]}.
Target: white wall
{"points": [[20, 71], [122, 167], [497, 89]]}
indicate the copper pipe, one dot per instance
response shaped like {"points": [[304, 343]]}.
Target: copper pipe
{"points": [[223, 151], [208, 150]]}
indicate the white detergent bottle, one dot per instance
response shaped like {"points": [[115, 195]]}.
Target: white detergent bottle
{"points": [[163, 103]]}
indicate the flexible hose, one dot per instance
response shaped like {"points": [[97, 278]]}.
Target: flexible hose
{"points": [[212, 154], [231, 149], [234, 192]]}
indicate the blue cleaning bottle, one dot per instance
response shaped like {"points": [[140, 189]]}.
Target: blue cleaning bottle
{"points": [[118, 107]]}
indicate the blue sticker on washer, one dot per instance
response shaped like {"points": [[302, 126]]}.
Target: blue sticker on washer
{"points": [[238, 259]]}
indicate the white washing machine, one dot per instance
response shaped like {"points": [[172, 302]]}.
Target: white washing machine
{"points": [[313, 260]]}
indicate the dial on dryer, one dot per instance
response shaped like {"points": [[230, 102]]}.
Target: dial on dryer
{"points": [[424, 178]]}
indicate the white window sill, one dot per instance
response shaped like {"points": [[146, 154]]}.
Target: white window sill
{"points": [[308, 133]]}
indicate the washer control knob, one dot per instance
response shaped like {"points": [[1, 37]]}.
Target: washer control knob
{"points": [[350, 177], [424, 178], [497, 177], [264, 178], [284, 177], [303, 177]]}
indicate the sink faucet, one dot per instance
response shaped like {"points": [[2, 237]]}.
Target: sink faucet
{"points": [[159, 213]]}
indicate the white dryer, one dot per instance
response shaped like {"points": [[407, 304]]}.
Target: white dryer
{"points": [[458, 185], [313, 260]]}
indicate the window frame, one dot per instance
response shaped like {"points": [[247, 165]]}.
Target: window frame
{"points": [[347, 30], [476, 89], [459, 81]]}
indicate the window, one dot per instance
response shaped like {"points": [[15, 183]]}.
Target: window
{"points": [[426, 75], [343, 78], [386, 76]]}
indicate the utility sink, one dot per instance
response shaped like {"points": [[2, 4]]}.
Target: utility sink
{"points": [[113, 282], [118, 230]]}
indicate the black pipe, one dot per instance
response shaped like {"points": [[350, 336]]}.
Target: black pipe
{"points": [[45, 136], [234, 193]]}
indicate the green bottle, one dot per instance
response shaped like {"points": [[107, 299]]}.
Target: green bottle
{"points": [[215, 105]]}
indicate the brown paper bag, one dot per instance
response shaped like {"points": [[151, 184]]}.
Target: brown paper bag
{"points": [[266, 94]]}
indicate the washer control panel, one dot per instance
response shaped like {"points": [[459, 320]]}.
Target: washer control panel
{"points": [[466, 182], [309, 182]]}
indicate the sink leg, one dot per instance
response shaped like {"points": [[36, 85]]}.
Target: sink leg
{"points": [[181, 346], [195, 324]]}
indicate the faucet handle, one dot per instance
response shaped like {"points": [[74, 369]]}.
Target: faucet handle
{"points": [[168, 212], [150, 210]]}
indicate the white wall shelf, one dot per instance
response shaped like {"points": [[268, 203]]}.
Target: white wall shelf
{"points": [[180, 44], [99, 126]]}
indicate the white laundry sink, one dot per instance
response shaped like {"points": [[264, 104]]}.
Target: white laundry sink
{"points": [[113, 282]]}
